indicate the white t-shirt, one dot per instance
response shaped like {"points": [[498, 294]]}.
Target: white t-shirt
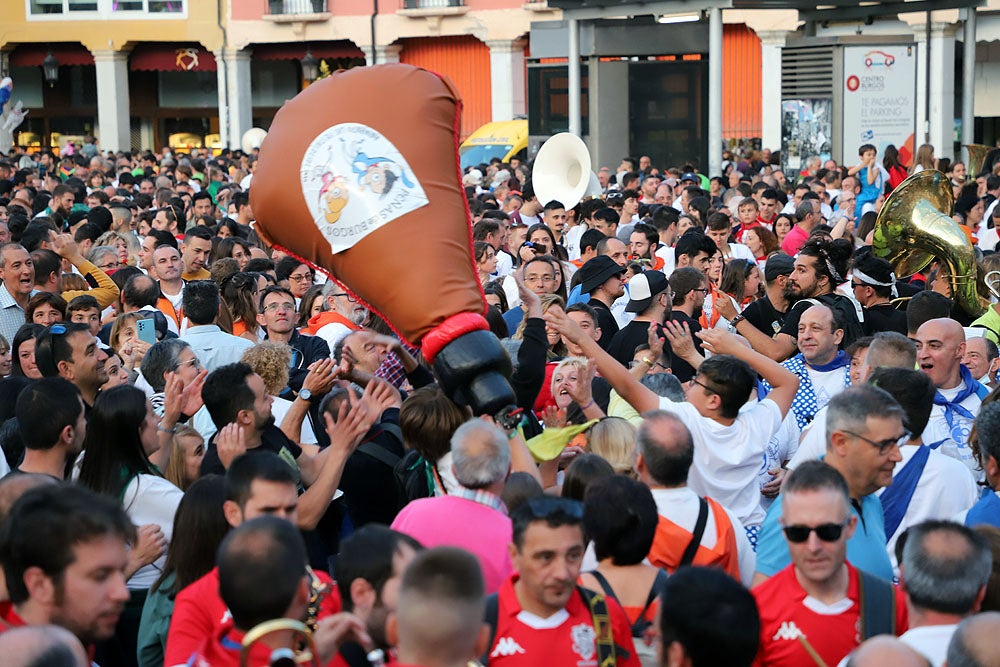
{"points": [[826, 385], [666, 253], [937, 428], [780, 448], [812, 444], [930, 641], [151, 499], [681, 506], [740, 251], [280, 408], [571, 240], [505, 264], [946, 487], [728, 458]]}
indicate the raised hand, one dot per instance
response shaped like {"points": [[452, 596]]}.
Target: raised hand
{"points": [[230, 443]]}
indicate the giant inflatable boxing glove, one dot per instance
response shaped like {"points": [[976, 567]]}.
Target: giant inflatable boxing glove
{"points": [[359, 176]]}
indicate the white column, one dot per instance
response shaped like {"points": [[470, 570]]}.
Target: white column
{"points": [[942, 89], [240, 103], [114, 133], [771, 43], [223, 94], [968, 82], [920, 136], [575, 122], [384, 53], [714, 92], [507, 78]]}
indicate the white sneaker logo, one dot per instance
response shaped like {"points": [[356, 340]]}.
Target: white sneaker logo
{"points": [[506, 646], [788, 630]]}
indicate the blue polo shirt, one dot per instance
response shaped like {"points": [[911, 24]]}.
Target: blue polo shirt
{"points": [[866, 550]]}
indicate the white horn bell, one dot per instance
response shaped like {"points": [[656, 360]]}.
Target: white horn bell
{"points": [[562, 170]]}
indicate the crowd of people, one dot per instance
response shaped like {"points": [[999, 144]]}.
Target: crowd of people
{"points": [[743, 439]]}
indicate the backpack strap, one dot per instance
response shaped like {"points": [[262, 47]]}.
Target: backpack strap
{"points": [[379, 453], [490, 618], [605, 638], [605, 585], [878, 606], [696, 534]]}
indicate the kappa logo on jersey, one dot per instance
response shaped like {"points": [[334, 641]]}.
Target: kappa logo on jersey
{"points": [[583, 640], [506, 646], [788, 630]]}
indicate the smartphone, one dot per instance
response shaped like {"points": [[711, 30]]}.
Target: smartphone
{"points": [[146, 329]]}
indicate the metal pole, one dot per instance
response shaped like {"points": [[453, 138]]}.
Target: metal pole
{"points": [[927, 79], [714, 92], [969, 84], [575, 124]]}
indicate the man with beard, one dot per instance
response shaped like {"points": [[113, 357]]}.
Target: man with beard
{"points": [[819, 268], [341, 314], [241, 409], [64, 550], [368, 572]]}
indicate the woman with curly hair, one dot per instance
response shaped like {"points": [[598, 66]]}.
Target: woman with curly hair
{"points": [[126, 246]]}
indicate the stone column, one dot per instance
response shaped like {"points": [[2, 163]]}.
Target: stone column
{"points": [[113, 127], [771, 43], [942, 90], [384, 53], [507, 78], [240, 103]]}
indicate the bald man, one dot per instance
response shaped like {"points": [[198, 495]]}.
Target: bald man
{"points": [[940, 349], [974, 643], [885, 650], [48, 645]]}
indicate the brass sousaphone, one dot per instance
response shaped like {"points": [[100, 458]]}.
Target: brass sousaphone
{"points": [[914, 227]]}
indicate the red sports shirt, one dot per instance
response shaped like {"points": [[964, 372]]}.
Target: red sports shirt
{"points": [[833, 631], [566, 639]]}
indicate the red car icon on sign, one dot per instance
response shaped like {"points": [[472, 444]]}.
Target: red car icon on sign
{"points": [[879, 59]]}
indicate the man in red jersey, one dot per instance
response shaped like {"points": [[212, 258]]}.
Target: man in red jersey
{"points": [[539, 616], [268, 549], [64, 550], [815, 604], [257, 484]]}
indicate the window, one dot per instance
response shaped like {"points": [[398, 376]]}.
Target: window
{"points": [[107, 8]]}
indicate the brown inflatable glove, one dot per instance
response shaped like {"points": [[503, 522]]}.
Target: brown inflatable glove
{"points": [[359, 176]]}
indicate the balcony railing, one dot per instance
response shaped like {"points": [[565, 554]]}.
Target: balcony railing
{"points": [[432, 4], [291, 7]]}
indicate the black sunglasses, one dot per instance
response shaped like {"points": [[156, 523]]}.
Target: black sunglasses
{"points": [[828, 532], [545, 507]]}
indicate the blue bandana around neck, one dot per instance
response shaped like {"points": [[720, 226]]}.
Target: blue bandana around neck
{"points": [[839, 361], [969, 387]]}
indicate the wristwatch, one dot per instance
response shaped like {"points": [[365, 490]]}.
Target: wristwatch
{"points": [[736, 320], [305, 394]]}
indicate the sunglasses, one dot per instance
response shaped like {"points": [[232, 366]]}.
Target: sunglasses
{"points": [[828, 532], [549, 507]]}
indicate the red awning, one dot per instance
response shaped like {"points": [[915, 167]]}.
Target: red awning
{"points": [[296, 51], [172, 58], [32, 55]]}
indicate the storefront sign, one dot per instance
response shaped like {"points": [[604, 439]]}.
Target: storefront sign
{"points": [[879, 100]]}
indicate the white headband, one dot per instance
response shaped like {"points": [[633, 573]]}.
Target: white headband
{"points": [[868, 280]]}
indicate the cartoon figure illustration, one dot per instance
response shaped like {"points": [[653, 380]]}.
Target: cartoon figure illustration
{"points": [[333, 196], [378, 174]]}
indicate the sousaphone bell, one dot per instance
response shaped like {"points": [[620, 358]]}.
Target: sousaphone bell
{"points": [[561, 171], [914, 227]]}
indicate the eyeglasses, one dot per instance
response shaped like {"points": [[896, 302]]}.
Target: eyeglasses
{"points": [[110, 266], [301, 277], [193, 363], [703, 290], [857, 285], [703, 386], [551, 507], [885, 446], [828, 532], [349, 297], [284, 305]]}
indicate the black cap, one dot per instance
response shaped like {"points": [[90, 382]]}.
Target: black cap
{"points": [[778, 265], [596, 271]]}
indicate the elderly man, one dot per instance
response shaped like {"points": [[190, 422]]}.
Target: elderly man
{"points": [[472, 517], [17, 271], [944, 573], [974, 643], [814, 605], [864, 429], [341, 314], [940, 349]]}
